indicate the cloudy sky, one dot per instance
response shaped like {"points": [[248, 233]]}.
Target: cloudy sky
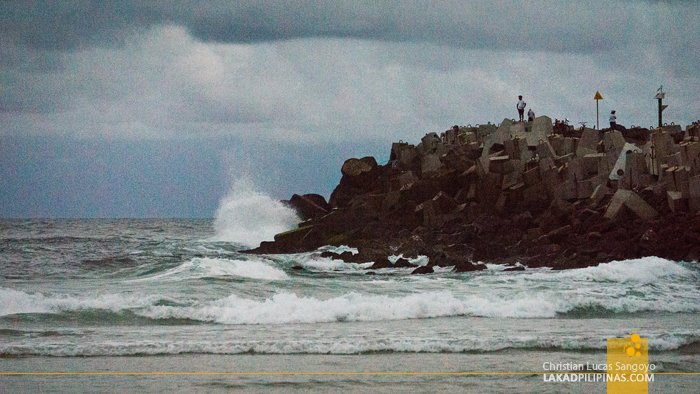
{"points": [[156, 108]]}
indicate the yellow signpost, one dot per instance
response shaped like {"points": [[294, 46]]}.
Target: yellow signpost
{"points": [[596, 98]]}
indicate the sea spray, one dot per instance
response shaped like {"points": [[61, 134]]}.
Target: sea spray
{"points": [[247, 217]]}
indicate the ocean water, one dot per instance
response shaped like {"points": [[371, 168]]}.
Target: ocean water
{"points": [[170, 305]]}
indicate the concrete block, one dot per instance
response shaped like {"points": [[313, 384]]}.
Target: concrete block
{"points": [[614, 142], [557, 142], [663, 146], [468, 137], [570, 145], [442, 148], [676, 202], [535, 193], [565, 190], [430, 142], [510, 179], [690, 156], [517, 130], [694, 193], [406, 179], [577, 170], [631, 201], [500, 165], [585, 188], [541, 128], [431, 165], [619, 169], [551, 178], [451, 136], [592, 163], [640, 207], [599, 192], [669, 178], [396, 149], [560, 161], [531, 177], [659, 189], [588, 142], [516, 148], [444, 203], [617, 204], [502, 133], [545, 150], [672, 130], [635, 168], [407, 155], [486, 129]]}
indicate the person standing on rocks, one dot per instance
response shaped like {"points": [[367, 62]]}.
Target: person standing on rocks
{"points": [[521, 107], [613, 121], [530, 115]]}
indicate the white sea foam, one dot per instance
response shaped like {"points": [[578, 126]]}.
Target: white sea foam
{"points": [[644, 270], [14, 302], [615, 287], [379, 342], [290, 308], [248, 217], [203, 267]]}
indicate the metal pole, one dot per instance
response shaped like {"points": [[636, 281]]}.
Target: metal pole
{"points": [[660, 109], [597, 121]]}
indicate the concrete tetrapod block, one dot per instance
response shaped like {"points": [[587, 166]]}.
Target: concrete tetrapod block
{"points": [[500, 165], [588, 142], [694, 191], [690, 156], [431, 165], [429, 142], [541, 128], [599, 193], [407, 178], [676, 202], [640, 207], [407, 155], [619, 169], [630, 200], [614, 141]]}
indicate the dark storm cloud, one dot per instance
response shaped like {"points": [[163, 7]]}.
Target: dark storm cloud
{"points": [[560, 26]]}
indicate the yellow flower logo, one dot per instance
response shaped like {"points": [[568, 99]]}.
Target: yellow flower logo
{"points": [[632, 348]]}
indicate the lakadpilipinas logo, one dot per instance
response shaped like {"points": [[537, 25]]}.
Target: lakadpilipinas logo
{"points": [[628, 365]]}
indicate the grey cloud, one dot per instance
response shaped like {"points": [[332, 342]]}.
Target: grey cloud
{"points": [[559, 26]]}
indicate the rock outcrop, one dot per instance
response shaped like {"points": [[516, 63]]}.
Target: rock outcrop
{"points": [[533, 194]]}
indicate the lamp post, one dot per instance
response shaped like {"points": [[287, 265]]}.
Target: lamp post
{"points": [[660, 96]]}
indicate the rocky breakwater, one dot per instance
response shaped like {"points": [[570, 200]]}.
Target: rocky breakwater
{"points": [[523, 194]]}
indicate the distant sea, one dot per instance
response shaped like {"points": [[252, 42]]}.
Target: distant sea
{"points": [[171, 305]]}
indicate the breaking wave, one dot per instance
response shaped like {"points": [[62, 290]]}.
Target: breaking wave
{"points": [[248, 217], [204, 267]]}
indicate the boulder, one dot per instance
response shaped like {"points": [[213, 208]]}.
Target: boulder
{"points": [[309, 206], [422, 270]]}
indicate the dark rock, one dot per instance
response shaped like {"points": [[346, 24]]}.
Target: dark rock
{"points": [[466, 266], [297, 268], [423, 270]]}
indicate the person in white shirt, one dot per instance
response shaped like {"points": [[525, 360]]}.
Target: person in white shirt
{"points": [[521, 107], [530, 115], [613, 121]]}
